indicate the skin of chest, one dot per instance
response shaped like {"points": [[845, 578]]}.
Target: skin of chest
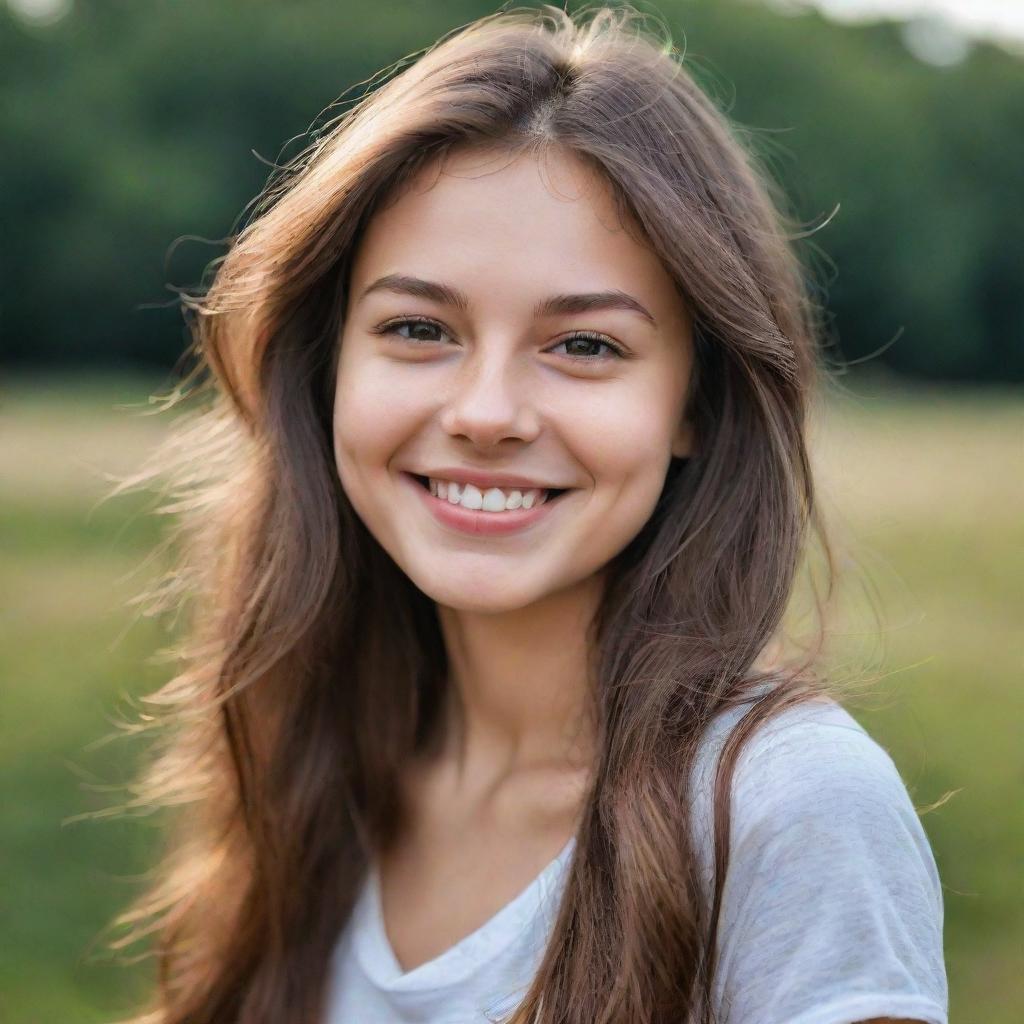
{"points": [[461, 857]]}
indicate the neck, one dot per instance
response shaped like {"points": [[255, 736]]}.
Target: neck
{"points": [[519, 684]]}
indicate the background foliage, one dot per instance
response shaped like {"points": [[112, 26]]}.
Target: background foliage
{"points": [[128, 125]]}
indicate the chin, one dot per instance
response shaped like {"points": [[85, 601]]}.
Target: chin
{"points": [[493, 599]]}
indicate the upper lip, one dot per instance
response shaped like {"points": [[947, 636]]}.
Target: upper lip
{"points": [[482, 479]]}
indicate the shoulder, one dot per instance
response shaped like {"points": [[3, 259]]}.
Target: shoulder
{"points": [[831, 898], [809, 729], [811, 778], [814, 752], [805, 759]]}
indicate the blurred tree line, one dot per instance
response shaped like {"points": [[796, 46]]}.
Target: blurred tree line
{"points": [[135, 133]]}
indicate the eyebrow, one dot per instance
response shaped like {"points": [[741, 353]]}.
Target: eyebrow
{"points": [[553, 305]]}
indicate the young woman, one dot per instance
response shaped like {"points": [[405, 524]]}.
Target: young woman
{"points": [[490, 529]]}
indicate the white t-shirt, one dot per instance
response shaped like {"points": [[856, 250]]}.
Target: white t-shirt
{"points": [[831, 910]]}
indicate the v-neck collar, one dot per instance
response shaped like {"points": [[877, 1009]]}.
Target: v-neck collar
{"points": [[468, 954]]}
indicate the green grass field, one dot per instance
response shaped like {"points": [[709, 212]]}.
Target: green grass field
{"points": [[926, 494]]}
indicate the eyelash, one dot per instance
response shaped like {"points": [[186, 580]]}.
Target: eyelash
{"points": [[617, 352]]}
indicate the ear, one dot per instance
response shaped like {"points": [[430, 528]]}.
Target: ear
{"points": [[684, 441]]}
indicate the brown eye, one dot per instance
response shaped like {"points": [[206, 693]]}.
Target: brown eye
{"points": [[584, 344], [414, 329]]}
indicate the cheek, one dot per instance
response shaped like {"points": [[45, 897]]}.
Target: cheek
{"points": [[624, 440], [626, 446], [369, 420]]}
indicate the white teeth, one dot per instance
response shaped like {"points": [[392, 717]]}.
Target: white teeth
{"points": [[494, 499], [471, 497]]}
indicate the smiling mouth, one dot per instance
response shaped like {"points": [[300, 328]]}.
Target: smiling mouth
{"points": [[552, 493]]}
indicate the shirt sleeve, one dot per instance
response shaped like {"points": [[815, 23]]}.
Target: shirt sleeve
{"points": [[832, 905]]}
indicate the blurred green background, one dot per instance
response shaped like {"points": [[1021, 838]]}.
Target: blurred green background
{"points": [[132, 131]]}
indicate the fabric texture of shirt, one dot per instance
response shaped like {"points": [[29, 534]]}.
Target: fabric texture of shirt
{"points": [[831, 909]]}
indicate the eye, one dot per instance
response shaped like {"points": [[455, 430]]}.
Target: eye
{"points": [[589, 338], [422, 330], [415, 329]]}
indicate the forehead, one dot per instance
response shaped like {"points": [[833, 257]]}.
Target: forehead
{"points": [[551, 178], [538, 221]]}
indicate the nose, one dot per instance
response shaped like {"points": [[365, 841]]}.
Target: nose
{"points": [[490, 400]]}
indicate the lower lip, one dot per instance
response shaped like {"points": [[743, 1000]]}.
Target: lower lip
{"points": [[488, 524]]}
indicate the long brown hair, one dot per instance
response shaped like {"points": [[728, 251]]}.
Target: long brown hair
{"points": [[311, 667]]}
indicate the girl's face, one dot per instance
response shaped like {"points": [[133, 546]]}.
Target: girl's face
{"points": [[502, 328]]}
